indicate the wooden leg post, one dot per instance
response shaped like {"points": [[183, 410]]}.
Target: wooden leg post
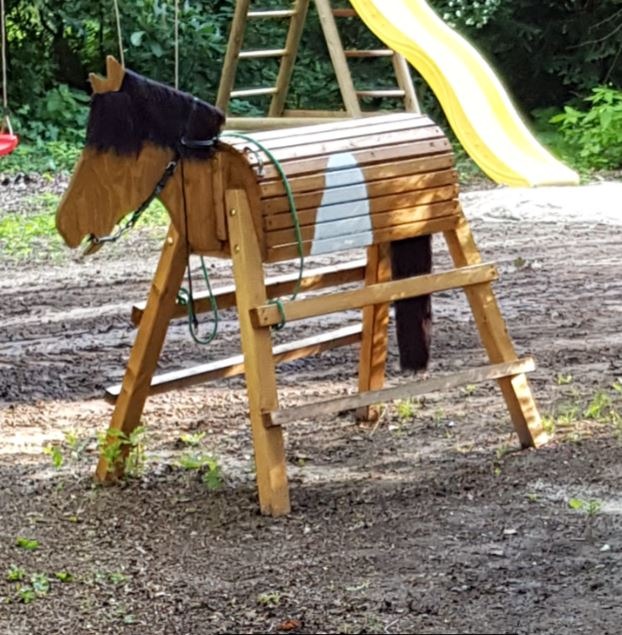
{"points": [[375, 330], [496, 340], [258, 360], [144, 356]]}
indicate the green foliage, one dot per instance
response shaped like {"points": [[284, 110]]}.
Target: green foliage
{"points": [[28, 544], [124, 451], [206, 465], [594, 135], [15, 574]]}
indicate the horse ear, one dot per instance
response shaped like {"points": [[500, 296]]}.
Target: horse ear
{"points": [[112, 83]]}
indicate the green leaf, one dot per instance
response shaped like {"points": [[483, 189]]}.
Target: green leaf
{"points": [[137, 38]]}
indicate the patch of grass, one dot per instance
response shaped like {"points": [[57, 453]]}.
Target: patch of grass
{"points": [[42, 157], [29, 236]]}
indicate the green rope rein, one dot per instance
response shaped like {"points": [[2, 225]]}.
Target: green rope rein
{"points": [[185, 296]]}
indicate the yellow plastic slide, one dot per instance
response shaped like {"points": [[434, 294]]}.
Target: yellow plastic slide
{"points": [[476, 104]]}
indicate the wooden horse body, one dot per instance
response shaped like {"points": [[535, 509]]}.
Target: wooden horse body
{"points": [[382, 183]]}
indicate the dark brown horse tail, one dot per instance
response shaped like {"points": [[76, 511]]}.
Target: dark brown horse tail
{"points": [[413, 317]]}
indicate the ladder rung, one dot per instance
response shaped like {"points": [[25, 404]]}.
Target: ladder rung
{"points": [[250, 55], [344, 13], [380, 93], [250, 92], [370, 53], [410, 389], [278, 13]]}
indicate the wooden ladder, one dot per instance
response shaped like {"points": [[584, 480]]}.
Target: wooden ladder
{"points": [[277, 115]]}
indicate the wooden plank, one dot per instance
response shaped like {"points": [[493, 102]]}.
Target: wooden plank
{"points": [[277, 13], [410, 389], [374, 342], [286, 68], [254, 124], [350, 123], [271, 469], [277, 286], [355, 241], [405, 82], [268, 314], [426, 166], [145, 351], [435, 151], [234, 46], [342, 225], [342, 129], [252, 92], [390, 93], [425, 185], [233, 366], [496, 340], [261, 53], [335, 49], [358, 53]]}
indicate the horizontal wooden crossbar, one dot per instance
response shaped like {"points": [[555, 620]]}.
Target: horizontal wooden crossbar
{"points": [[269, 314], [411, 389], [232, 366], [277, 286]]}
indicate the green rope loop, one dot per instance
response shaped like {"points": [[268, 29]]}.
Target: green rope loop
{"points": [[185, 298], [295, 219]]}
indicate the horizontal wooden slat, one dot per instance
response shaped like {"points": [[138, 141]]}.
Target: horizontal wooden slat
{"points": [[260, 53], [427, 167], [344, 13], [251, 92], [343, 226], [276, 286], [278, 13], [381, 92], [356, 53], [399, 232], [255, 124], [355, 191], [352, 144], [410, 389], [233, 366], [380, 293], [346, 130]]}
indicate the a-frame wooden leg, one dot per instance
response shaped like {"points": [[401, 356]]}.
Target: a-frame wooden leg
{"points": [[258, 360], [144, 356], [375, 330], [496, 340]]}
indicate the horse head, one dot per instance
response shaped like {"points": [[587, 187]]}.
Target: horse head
{"points": [[136, 127]]}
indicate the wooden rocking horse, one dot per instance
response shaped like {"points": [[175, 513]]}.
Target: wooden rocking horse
{"points": [[384, 183]]}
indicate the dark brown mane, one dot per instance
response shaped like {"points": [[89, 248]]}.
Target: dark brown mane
{"points": [[147, 111]]}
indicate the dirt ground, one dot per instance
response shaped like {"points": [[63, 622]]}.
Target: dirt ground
{"points": [[430, 522]]}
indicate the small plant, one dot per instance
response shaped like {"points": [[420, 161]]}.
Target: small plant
{"points": [[590, 508], [40, 583], [564, 379], [469, 390], [205, 464], [26, 594], [406, 409], [118, 448], [192, 440], [598, 409], [15, 574], [269, 599], [27, 543], [55, 453], [63, 576]]}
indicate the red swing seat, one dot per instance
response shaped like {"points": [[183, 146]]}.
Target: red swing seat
{"points": [[8, 143]]}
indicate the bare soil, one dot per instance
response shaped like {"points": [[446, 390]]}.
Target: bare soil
{"points": [[431, 521]]}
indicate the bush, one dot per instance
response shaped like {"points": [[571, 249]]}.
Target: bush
{"points": [[594, 136]]}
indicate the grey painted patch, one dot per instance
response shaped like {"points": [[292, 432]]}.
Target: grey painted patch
{"points": [[353, 227]]}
